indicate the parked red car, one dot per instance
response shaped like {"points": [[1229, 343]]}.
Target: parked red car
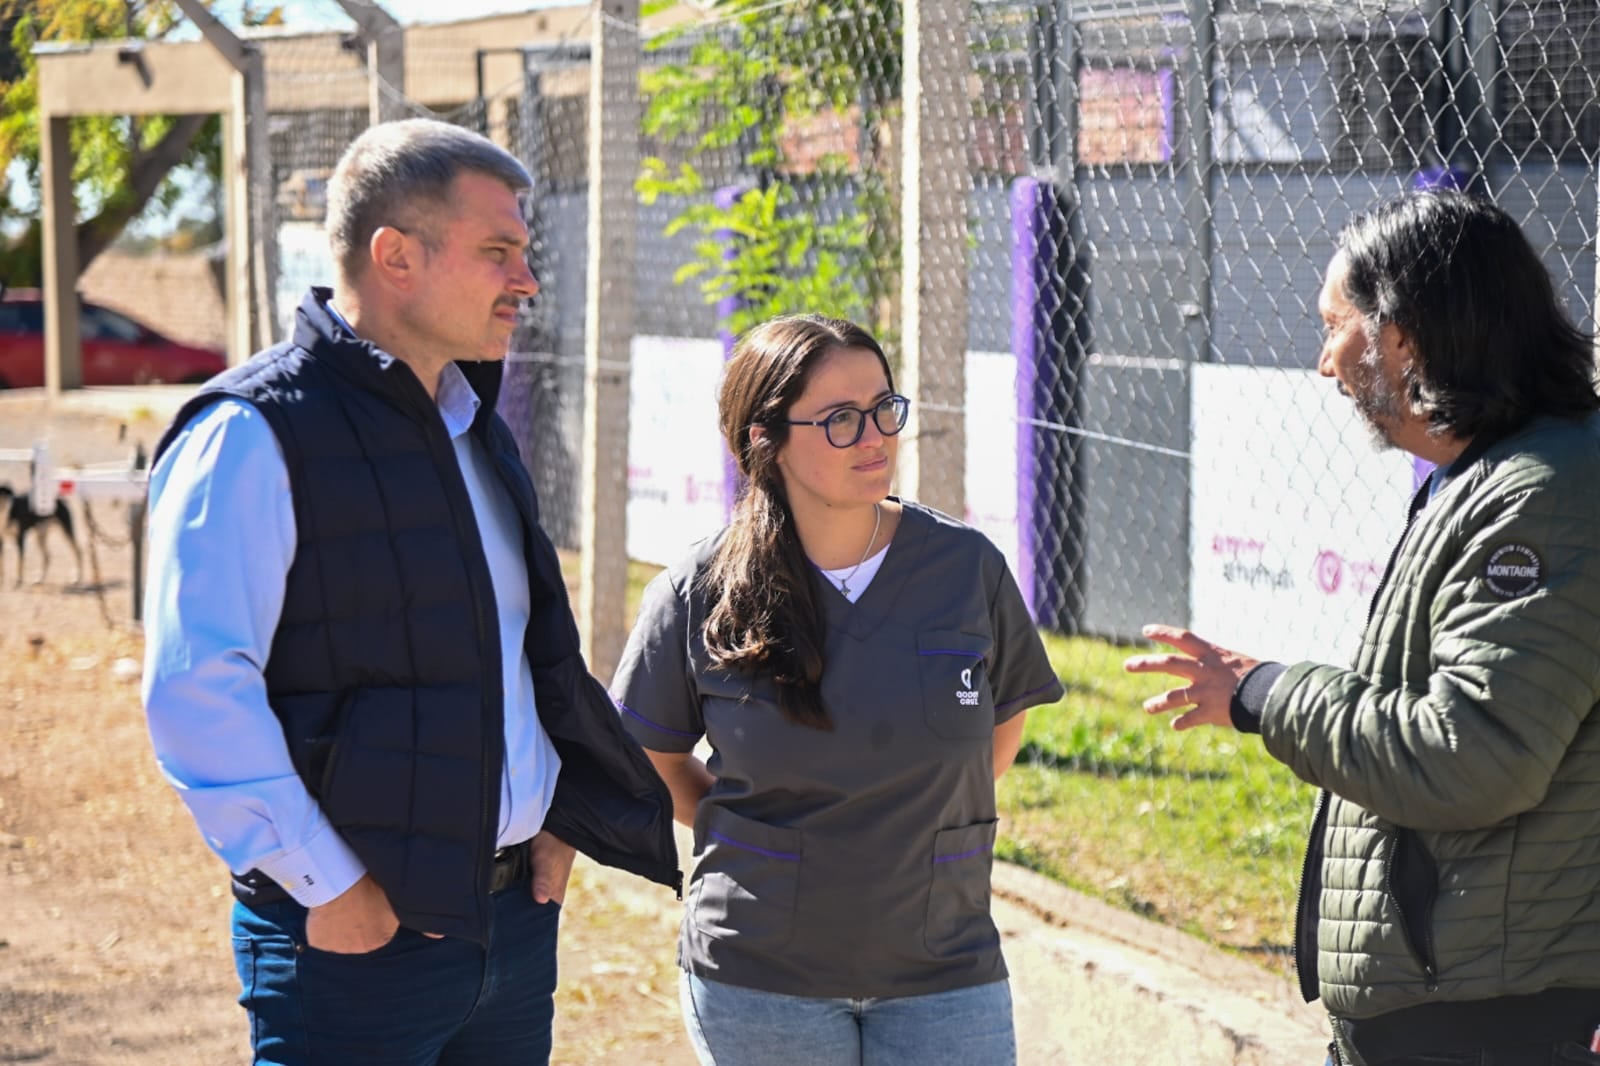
{"points": [[116, 349]]}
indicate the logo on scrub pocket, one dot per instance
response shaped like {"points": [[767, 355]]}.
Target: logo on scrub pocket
{"points": [[966, 694]]}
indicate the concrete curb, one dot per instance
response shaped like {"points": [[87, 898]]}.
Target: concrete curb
{"points": [[121, 402], [1094, 984]]}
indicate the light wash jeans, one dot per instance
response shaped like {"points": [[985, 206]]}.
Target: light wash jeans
{"points": [[732, 1026]]}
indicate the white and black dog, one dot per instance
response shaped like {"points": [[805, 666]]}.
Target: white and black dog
{"points": [[20, 519]]}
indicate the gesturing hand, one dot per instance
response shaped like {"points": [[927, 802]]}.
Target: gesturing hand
{"points": [[1212, 674]]}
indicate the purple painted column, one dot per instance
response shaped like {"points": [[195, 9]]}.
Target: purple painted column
{"points": [[1456, 178], [727, 307], [1025, 344], [1049, 340]]}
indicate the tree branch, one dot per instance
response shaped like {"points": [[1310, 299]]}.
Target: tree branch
{"points": [[145, 174]]}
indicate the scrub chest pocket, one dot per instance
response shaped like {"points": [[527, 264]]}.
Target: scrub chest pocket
{"points": [[956, 701]]}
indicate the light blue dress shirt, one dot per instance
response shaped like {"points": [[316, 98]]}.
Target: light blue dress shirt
{"points": [[221, 540]]}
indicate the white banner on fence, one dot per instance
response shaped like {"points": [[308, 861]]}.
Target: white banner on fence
{"points": [[677, 491], [1293, 513], [678, 485], [303, 261], [991, 480]]}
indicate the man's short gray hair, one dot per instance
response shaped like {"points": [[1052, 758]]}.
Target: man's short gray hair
{"points": [[395, 172]]}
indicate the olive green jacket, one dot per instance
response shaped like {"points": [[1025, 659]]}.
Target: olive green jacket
{"points": [[1456, 854]]}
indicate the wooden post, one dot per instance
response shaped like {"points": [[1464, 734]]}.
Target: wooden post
{"points": [[608, 330], [934, 252]]}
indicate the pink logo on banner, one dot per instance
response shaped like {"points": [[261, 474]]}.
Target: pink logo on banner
{"points": [[1330, 571], [1334, 574]]}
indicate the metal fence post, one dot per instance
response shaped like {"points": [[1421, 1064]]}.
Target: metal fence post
{"points": [[1199, 209], [608, 330], [136, 527], [934, 282], [1200, 169]]}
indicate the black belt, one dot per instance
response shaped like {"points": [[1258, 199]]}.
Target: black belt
{"points": [[513, 864]]}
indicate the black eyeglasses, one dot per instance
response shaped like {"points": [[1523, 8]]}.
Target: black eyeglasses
{"points": [[845, 426]]}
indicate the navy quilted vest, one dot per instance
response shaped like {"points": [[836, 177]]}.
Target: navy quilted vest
{"points": [[385, 669]]}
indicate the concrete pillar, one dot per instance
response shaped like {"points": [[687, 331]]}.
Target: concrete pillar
{"points": [[386, 66], [263, 221], [247, 168], [63, 342], [236, 224], [386, 59], [935, 185], [608, 330], [502, 130]]}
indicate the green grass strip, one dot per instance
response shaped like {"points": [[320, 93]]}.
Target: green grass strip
{"points": [[1201, 830]]}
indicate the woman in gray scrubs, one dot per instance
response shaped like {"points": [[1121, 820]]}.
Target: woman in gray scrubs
{"points": [[860, 666]]}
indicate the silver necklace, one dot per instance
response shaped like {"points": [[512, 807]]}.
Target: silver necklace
{"points": [[877, 520]]}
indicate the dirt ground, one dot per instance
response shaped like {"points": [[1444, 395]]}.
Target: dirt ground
{"points": [[114, 940]]}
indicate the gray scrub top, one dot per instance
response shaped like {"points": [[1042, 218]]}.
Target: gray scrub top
{"points": [[851, 863]]}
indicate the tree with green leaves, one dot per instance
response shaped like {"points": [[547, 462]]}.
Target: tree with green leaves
{"points": [[747, 81], [122, 165]]}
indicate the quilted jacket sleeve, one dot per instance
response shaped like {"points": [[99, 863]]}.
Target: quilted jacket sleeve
{"points": [[1477, 683]]}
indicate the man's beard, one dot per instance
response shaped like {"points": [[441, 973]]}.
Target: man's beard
{"points": [[1380, 404]]}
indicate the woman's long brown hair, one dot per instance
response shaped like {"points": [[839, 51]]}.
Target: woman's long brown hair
{"points": [[764, 615]]}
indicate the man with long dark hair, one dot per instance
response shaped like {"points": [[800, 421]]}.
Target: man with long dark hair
{"points": [[1450, 907]]}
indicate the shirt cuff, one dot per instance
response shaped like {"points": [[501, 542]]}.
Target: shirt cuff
{"points": [[1250, 696], [1049, 692], [318, 871]]}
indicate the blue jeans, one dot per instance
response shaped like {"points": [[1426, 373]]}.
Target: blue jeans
{"points": [[415, 1001], [732, 1026]]}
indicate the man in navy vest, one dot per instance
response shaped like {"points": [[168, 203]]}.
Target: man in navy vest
{"points": [[363, 674]]}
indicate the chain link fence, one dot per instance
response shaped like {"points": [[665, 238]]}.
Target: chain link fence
{"points": [[1197, 162], [1152, 196]]}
